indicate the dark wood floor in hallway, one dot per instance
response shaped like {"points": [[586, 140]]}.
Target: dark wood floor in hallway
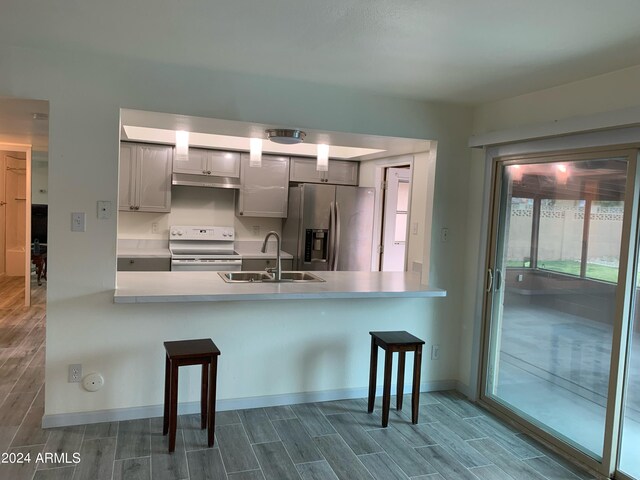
{"points": [[332, 440]]}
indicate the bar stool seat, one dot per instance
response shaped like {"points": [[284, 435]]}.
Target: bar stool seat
{"points": [[190, 352], [401, 342]]}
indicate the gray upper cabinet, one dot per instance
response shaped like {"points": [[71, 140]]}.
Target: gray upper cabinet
{"points": [[341, 172], [209, 162], [304, 170], [264, 191], [145, 177]]}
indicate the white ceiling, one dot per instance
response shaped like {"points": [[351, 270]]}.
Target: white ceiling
{"points": [[464, 51]]}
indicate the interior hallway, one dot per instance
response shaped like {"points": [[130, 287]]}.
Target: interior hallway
{"points": [[332, 440]]}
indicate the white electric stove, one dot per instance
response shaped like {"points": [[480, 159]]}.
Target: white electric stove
{"points": [[203, 248]]}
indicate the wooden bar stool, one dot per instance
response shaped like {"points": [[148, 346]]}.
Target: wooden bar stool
{"points": [[190, 352], [401, 342]]}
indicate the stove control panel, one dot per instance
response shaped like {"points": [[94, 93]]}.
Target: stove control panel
{"points": [[182, 232]]}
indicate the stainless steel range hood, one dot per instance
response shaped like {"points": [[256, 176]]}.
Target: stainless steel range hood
{"points": [[211, 181]]}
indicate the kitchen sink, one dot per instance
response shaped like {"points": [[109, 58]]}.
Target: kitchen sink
{"points": [[300, 277], [257, 277], [244, 277]]}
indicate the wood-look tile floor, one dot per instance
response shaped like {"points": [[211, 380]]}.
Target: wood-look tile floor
{"points": [[332, 440]]}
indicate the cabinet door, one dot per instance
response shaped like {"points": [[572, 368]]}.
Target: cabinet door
{"points": [[223, 164], [136, 264], [304, 170], [154, 182], [342, 172], [128, 175], [264, 191], [196, 164]]}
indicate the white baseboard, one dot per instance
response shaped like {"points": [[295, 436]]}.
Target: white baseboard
{"points": [[133, 413], [465, 390]]}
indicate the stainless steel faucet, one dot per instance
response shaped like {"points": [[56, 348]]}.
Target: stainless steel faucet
{"points": [[277, 272]]}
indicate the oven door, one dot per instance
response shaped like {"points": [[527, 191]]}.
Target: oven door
{"points": [[205, 265]]}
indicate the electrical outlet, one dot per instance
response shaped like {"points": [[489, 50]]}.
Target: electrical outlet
{"points": [[444, 235], [75, 373], [78, 222], [256, 230], [154, 227], [435, 352]]}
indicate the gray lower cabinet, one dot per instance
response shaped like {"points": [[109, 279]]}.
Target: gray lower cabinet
{"points": [[264, 190], [137, 264], [258, 264]]}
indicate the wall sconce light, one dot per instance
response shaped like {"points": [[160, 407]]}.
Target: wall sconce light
{"points": [[182, 145], [322, 164], [255, 152]]}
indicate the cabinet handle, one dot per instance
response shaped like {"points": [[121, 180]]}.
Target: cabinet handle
{"points": [[208, 172], [131, 261], [204, 172], [131, 207]]}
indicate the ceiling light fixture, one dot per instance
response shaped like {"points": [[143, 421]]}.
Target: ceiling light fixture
{"points": [[182, 145], [285, 136], [255, 152], [322, 164]]}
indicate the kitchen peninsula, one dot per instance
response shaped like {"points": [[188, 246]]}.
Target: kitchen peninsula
{"points": [[158, 287]]}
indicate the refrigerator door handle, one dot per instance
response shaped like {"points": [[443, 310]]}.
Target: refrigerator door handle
{"points": [[336, 250], [332, 237]]}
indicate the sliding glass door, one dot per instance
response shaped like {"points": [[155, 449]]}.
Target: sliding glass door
{"points": [[554, 289], [629, 460]]}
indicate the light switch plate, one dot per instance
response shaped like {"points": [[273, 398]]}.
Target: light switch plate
{"points": [[78, 223]]}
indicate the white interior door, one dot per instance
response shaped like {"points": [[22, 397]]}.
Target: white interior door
{"points": [[3, 215], [15, 192], [15, 214], [395, 217]]}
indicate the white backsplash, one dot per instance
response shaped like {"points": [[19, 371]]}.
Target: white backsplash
{"points": [[195, 206]]}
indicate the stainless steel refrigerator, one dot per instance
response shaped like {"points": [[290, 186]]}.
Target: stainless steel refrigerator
{"points": [[329, 227]]}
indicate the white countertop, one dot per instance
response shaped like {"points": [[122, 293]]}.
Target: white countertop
{"points": [[152, 287], [143, 248], [144, 253]]}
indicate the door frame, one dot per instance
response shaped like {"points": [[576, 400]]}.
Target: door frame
{"points": [[380, 174], [383, 214], [26, 149], [623, 311]]}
